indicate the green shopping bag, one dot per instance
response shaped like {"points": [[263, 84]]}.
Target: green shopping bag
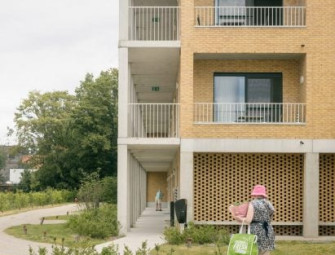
{"points": [[245, 244]]}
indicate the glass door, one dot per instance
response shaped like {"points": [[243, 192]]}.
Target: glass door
{"points": [[269, 13], [229, 98], [231, 12], [247, 97]]}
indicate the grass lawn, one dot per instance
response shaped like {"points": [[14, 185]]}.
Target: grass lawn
{"points": [[282, 248], [53, 233], [58, 217]]}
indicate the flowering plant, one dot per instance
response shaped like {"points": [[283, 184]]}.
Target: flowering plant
{"points": [[239, 209]]}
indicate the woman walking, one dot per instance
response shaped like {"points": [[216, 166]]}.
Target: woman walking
{"points": [[259, 216]]}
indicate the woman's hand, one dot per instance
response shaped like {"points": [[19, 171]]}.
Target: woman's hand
{"points": [[230, 209], [236, 217]]}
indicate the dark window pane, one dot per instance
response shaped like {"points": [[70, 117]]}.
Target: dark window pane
{"points": [[259, 91]]}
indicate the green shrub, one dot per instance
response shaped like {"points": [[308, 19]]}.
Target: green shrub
{"points": [[173, 236], [97, 222], [109, 194], [56, 250], [111, 250], [200, 234], [94, 190], [19, 200]]}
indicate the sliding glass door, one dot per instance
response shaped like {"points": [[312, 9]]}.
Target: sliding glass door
{"points": [[247, 97], [232, 12], [229, 93], [259, 13]]}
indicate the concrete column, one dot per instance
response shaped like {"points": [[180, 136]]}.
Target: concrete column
{"points": [[123, 93], [186, 178], [311, 195], [123, 204], [123, 19]]}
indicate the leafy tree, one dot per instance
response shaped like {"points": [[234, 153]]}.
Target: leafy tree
{"points": [[42, 118], [2, 178], [2, 159], [26, 179], [43, 126], [95, 123], [70, 135]]}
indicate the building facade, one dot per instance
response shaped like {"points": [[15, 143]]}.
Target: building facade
{"points": [[216, 96]]}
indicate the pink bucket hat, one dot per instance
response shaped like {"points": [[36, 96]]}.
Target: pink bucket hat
{"points": [[259, 190]]}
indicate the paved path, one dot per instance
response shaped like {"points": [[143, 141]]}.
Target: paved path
{"points": [[10, 245], [149, 227]]}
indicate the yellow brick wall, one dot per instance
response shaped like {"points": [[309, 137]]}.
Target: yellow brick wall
{"points": [[156, 181], [314, 43]]}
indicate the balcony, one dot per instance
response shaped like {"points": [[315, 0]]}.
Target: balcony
{"points": [[231, 16], [154, 120], [249, 113], [149, 23]]}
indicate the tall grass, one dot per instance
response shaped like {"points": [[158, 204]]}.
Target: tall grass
{"points": [[19, 200]]}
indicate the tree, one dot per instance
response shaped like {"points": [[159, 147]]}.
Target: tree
{"points": [[2, 159], [95, 123], [43, 126], [42, 118], [2, 178], [68, 135], [25, 183]]}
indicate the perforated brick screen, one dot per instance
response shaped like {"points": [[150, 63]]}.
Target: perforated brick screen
{"points": [[327, 194], [222, 179]]}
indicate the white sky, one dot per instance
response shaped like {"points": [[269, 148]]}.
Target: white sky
{"points": [[49, 45]]}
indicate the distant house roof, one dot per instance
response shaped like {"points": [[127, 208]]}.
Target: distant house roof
{"points": [[25, 158]]}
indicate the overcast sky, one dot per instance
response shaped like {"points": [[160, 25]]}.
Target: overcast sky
{"points": [[49, 45]]}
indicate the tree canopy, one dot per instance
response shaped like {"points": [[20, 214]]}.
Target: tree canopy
{"points": [[71, 135], [2, 159]]}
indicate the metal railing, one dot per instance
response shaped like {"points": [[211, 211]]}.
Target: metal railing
{"points": [[153, 120], [149, 23], [231, 16], [238, 113]]}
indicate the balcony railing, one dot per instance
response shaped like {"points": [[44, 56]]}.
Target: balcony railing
{"points": [[149, 23], [154, 120], [248, 113], [288, 16]]}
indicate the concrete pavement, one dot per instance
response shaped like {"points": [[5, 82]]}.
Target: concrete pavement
{"points": [[10, 245], [149, 227]]}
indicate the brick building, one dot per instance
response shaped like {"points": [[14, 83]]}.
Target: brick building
{"points": [[216, 96]]}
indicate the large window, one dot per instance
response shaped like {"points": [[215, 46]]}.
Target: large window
{"points": [[231, 12], [247, 97], [237, 13]]}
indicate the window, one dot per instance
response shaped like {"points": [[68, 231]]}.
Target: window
{"points": [[232, 12], [237, 13], [247, 97]]}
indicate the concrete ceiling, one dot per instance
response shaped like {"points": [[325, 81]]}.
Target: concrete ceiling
{"points": [[155, 159], [154, 67]]}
